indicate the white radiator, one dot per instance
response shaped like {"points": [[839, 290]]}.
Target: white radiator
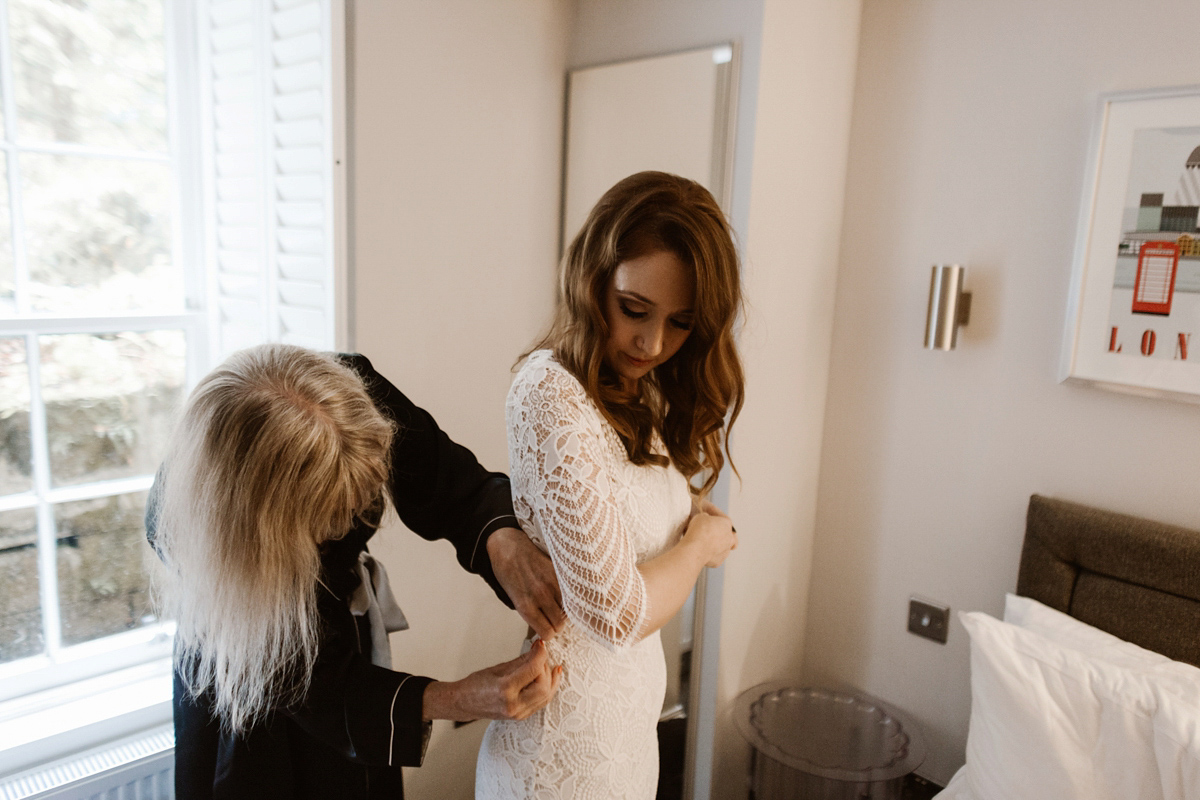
{"points": [[139, 768]]}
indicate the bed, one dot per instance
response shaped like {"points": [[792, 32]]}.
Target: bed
{"points": [[1090, 686]]}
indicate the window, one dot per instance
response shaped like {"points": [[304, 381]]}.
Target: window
{"points": [[95, 330], [168, 178]]}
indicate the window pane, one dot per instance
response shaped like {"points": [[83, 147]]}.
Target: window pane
{"points": [[99, 235], [15, 471], [110, 401], [8, 303], [20, 606], [90, 72], [103, 586]]}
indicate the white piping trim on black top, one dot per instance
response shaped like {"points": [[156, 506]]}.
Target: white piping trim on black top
{"points": [[484, 528], [392, 719]]}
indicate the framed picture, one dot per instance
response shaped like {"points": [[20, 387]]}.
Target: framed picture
{"points": [[1135, 289]]}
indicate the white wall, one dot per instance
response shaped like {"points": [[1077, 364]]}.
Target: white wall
{"points": [[457, 131], [969, 143], [806, 81]]}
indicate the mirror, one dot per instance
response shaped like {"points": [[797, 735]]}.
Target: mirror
{"points": [[673, 113]]}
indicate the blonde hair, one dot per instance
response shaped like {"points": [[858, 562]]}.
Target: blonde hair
{"points": [[279, 450], [686, 399]]}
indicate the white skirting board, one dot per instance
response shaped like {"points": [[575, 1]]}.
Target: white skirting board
{"points": [[138, 768]]}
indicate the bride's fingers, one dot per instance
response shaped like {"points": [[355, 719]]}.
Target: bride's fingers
{"points": [[708, 508]]}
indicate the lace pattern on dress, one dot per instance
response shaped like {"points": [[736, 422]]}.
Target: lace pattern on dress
{"points": [[559, 482], [599, 516]]}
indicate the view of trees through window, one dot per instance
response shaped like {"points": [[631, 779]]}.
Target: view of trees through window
{"points": [[88, 387]]}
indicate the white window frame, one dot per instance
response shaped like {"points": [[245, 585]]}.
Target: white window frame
{"points": [[59, 665], [70, 698]]}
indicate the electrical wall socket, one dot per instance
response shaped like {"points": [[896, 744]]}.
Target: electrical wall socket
{"points": [[928, 620]]}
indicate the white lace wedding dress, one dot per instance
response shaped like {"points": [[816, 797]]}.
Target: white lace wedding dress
{"points": [[598, 516]]}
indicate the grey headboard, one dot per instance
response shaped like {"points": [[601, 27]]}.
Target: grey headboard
{"points": [[1136, 579]]}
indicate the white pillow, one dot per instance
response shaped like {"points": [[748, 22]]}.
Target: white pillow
{"points": [[957, 788], [1050, 723], [1177, 725], [1174, 676]]}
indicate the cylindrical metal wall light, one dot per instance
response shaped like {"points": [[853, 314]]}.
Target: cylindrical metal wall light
{"points": [[949, 307]]}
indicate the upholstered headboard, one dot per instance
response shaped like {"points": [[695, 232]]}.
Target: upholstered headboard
{"points": [[1136, 579]]}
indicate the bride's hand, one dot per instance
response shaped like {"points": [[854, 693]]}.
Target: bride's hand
{"points": [[714, 535], [707, 507]]}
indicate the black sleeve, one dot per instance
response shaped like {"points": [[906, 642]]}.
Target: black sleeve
{"points": [[438, 487], [370, 714], [367, 713]]}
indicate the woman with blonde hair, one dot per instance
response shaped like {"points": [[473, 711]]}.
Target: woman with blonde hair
{"points": [[617, 432], [276, 478]]}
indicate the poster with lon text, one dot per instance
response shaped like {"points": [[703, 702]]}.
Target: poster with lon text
{"points": [[1136, 292]]}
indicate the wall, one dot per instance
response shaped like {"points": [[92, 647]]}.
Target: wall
{"points": [[806, 82], [456, 136], [969, 144]]}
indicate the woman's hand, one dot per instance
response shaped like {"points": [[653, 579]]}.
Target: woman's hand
{"points": [[512, 690], [527, 575], [707, 507], [713, 534], [670, 576]]}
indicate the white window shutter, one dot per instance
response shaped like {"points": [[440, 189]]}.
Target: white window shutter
{"points": [[269, 172]]}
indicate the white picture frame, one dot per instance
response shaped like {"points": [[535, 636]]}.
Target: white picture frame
{"points": [[1135, 289]]}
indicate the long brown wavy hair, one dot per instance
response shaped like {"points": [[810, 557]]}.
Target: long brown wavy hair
{"points": [[279, 450], [686, 399]]}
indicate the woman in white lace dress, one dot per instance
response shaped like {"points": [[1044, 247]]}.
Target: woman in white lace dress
{"points": [[612, 420]]}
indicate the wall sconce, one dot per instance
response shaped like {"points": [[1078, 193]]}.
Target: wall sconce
{"points": [[949, 307]]}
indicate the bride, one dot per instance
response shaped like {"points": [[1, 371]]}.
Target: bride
{"points": [[613, 421]]}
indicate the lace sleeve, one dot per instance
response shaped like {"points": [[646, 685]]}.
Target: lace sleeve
{"points": [[556, 446]]}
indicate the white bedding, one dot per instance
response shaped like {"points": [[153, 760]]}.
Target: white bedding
{"points": [[957, 788], [1060, 710]]}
